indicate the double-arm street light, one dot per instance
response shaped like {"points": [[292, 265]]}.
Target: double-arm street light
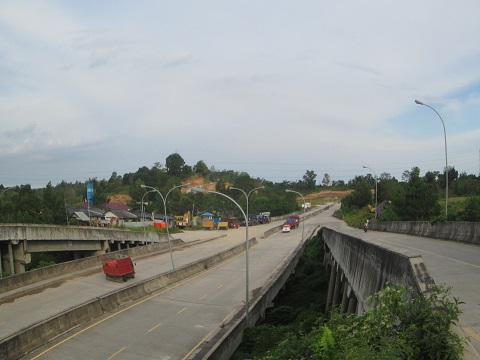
{"points": [[143, 215], [247, 295], [366, 167], [446, 160], [165, 210], [304, 206], [247, 196]]}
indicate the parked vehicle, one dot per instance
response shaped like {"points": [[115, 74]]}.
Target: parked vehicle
{"points": [[119, 269], [293, 221], [222, 224], [252, 220], [208, 224], [286, 229], [233, 224], [263, 219]]}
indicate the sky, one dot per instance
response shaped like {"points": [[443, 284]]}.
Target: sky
{"points": [[272, 88]]}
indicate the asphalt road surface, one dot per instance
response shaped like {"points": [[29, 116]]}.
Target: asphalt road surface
{"points": [[171, 323]]}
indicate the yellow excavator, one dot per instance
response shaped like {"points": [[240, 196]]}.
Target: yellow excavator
{"points": [[184, 221]]}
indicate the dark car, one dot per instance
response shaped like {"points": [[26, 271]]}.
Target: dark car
{"points": [[252, 220], [233, 223]]}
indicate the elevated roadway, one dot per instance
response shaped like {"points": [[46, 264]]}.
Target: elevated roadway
{"points": [[176, 322], [220, 297]]}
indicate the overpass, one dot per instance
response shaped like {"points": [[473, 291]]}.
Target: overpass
{"points": [[221, 339], [19, 241]]}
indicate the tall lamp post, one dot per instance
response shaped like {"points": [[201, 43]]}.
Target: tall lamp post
{"points": [[366, 167], [143, 215], [247, 295], [446, 160], [247, 196], [165, 210], [303, 225]]}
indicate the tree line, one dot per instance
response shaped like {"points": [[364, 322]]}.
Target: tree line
{"points": [[412, 198], [416, 197]]}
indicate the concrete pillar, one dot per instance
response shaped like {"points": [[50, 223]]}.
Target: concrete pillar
{"points": [[119, 246], [1, 263], [331, 286], [352, 304], [344, 306], [338, 288], [10, 259]]}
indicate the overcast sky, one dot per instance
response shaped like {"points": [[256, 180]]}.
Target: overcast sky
{"points": [[273, 88]]}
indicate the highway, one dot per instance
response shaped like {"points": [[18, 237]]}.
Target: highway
{"points": [[171, 323]]}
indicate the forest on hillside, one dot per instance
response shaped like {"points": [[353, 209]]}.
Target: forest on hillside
{"points": [[413, 197]]}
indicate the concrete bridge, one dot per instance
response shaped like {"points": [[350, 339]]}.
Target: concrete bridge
{"points": [[19, 241], [359, 265]]}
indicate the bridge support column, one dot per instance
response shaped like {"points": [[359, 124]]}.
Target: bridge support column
{"points": [[104, 248], [331, 286], [344, 306], [338, 287], [1, 263], [10, 259], [18, 256], [352, 304]]}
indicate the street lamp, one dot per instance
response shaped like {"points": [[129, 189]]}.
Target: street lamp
{"points": [[366, 167], [303, 226], [165, 210], [143, 216], [446, 161], [247, 196], [199, 190]]}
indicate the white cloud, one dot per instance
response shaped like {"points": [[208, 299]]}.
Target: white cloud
{"points": [[327, 86]]}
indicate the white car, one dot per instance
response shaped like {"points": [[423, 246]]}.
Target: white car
{"points": [[286, 229]]}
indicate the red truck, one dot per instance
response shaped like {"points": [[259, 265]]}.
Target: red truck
{"points": [[119, 269], [293, 221]]}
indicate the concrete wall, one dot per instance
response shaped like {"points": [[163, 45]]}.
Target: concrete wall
{"points": [[93, 263], [28, 339], [19, 240], [367, 266], [33, 232], [462, 231]]}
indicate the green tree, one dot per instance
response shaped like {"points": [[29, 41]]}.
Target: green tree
{"points": [[309, 179], [359, 198], [421, 200], [174, 164], [53, 209], [201, 168], [472, 209]]}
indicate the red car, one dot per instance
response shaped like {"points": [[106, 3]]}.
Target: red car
{"points": [[293, 221]]}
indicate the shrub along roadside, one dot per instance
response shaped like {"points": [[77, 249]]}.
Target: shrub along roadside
{"points": [[398, 327]]}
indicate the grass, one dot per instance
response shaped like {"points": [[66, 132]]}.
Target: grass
{"points": [[356, 218]]}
